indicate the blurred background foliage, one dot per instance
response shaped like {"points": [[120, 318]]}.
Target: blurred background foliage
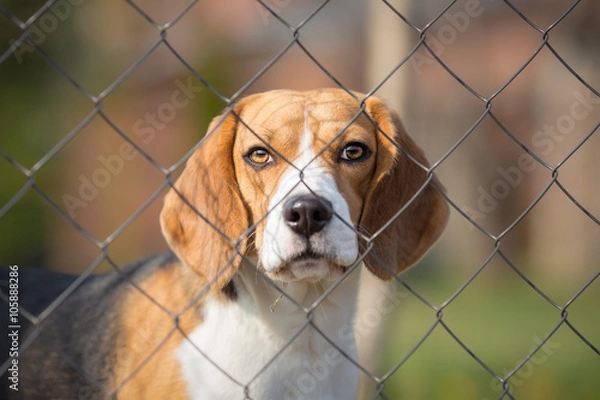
{"points": [[47, 95]]}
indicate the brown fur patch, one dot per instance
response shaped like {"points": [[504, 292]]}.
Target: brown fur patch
{"points": [[146, 366]]}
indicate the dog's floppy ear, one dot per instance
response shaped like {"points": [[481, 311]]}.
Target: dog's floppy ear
{"points": [[203, 214], [396, 180]]}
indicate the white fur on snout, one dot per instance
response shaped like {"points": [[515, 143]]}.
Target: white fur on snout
{"points": [[337, 240]]}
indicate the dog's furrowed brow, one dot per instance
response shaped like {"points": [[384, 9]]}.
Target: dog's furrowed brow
{"points": [[266, 133], [256, 135]]}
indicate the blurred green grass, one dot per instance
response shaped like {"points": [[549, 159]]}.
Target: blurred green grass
{"points": [[501, 320]]}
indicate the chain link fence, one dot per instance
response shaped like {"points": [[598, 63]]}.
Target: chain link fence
{"points": [[437, 34]]}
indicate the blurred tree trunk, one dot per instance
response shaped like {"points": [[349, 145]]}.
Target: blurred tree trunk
{"points": [[386, 47]]}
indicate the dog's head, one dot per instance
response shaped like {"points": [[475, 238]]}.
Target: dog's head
{"points": [[304, 183]]}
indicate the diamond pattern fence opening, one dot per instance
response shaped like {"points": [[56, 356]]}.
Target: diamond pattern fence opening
{"points": [[540, 139]]}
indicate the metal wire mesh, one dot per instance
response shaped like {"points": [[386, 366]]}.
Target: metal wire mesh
{"points": [[295, 42]]}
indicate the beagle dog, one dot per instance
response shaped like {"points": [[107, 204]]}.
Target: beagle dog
{"points": [[286, 198]]}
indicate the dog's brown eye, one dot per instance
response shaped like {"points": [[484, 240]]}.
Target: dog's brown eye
{"points": [[354, 152], [259, 156]]}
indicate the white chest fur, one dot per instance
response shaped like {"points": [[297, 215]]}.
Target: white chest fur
{"points": [[242, 348]]}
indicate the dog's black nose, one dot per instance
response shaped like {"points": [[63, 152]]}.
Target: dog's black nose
{"points": [[307, 215]]}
